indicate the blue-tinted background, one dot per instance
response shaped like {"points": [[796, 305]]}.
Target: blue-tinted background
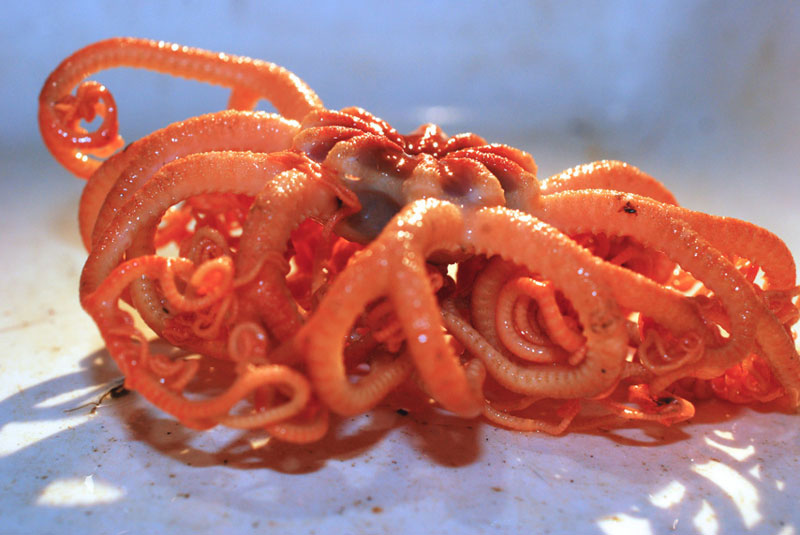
{"points": [[678, 88], [626, 78], [703, 95]]}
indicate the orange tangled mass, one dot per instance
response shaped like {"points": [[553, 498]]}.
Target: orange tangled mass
{"points": [[331, 262]]}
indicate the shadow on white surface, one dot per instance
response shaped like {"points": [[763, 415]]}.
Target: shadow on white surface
{"points": [[702, 97], [730, 471], [132, 467]]}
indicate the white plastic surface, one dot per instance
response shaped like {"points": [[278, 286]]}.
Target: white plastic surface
{"points": [[130, 469]]}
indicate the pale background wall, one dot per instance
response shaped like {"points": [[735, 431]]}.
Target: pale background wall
{"points": [[628, 77], [702, 95]]}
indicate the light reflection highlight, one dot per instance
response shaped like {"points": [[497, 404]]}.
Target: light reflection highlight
{"points": [[441, 115], [670, 495], [706, 520], [79, 492], [740, 454], [741, 492], [755, 471], [623, 524], [16, 436]]}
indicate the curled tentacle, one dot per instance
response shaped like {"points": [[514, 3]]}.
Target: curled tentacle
{"points": [[119, 177], [657, 226], [332, 261], [604, 328], [553, 321], [70, 144], [609, 175], [404, 245]]}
